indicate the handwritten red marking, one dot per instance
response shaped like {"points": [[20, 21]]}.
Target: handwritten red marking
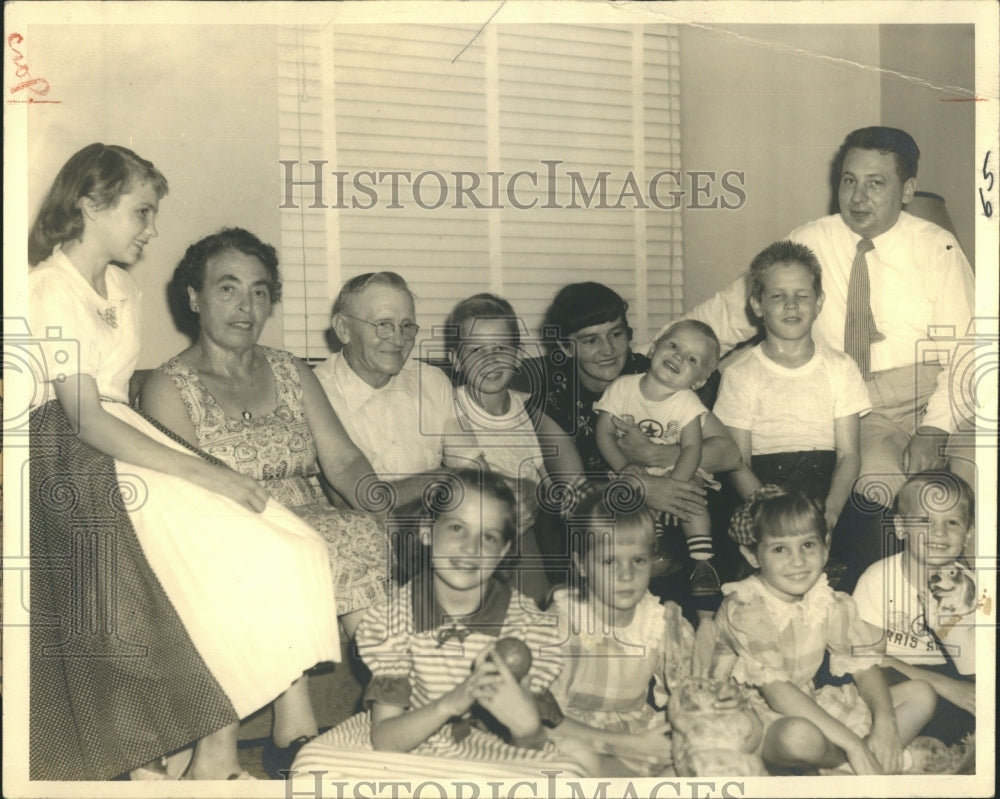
{"points": [[36, 86]]}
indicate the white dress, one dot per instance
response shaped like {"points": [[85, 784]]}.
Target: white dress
{"points": [[254, 591]]}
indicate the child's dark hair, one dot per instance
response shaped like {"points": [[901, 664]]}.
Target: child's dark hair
{"points": [[771, 510], [580, 305], [935, 490], [783, 252], [479, 306], [443, 494], [604, 509], [100, 172]]}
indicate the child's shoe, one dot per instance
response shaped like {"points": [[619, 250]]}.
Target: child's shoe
{"points": [[705, 580], [277, 760]]}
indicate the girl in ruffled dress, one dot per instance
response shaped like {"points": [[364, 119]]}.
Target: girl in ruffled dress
{"points": [[617, 637], [773, 631]]}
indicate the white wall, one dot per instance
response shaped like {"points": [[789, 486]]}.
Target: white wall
{"points": [[772, 101], [200, 102], [775, 102], [934, 58]]}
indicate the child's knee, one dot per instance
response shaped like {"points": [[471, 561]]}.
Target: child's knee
{"points": [[921, 695], [794, 739]]}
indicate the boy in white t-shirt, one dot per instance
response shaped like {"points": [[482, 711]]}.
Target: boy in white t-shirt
{"points": [[792, 405], [921, 602], [663, 404]]}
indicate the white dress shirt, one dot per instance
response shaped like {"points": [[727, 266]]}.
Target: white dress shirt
{"points": [[922, 289], [400, 427]]}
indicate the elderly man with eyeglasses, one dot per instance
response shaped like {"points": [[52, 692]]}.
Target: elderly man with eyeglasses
{"points": [[395, 409]]}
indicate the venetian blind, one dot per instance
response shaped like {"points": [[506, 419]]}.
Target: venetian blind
{"points": [[515, 159]]}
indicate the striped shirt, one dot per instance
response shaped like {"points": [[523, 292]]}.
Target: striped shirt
{"points": [[417, 653]]}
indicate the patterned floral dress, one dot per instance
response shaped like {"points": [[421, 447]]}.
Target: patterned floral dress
{"points": [[278, 450], [764, 639]]}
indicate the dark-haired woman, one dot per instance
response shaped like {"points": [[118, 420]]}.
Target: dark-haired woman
{"points": [[262, 412], [592, 349]]}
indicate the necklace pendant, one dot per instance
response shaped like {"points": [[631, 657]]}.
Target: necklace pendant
{"points": [[247, 416]]}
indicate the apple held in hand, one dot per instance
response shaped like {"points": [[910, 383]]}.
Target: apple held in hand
{"points": [[516, 655]]}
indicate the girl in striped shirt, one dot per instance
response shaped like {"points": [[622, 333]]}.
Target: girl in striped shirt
{"points": [[438, 687]]}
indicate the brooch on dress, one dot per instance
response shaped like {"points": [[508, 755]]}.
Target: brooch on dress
{"points": [[110, 316]]}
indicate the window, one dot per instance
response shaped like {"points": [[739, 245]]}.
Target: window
{"points": [[515, 159]]}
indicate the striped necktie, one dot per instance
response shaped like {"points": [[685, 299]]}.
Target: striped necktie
{"points": [[859, 327]]}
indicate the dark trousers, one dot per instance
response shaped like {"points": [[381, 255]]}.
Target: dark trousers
{"points": [[809, 472]]}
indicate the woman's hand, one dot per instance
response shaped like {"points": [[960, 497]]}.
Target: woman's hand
{"points": [[683, 500], [238, 487], [637, 447]]}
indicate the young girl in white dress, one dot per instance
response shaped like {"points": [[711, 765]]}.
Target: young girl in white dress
{"points": [[773, 630], [249, 581], [617, 638]]}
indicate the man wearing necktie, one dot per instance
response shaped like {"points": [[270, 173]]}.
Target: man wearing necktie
{"points": [[893, 282]]}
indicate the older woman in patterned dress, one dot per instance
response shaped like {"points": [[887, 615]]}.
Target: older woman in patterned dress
{"points": [[263, 413]]}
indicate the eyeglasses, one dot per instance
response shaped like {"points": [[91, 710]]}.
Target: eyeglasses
{"points": [[386, 329]]}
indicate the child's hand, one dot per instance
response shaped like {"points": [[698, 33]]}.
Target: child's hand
{"points": [[652, 746], [963, 694], [883, 742], [633, 468], [860, 758], [576, 488], [509, 702], [238, 487], [475, 688]]}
